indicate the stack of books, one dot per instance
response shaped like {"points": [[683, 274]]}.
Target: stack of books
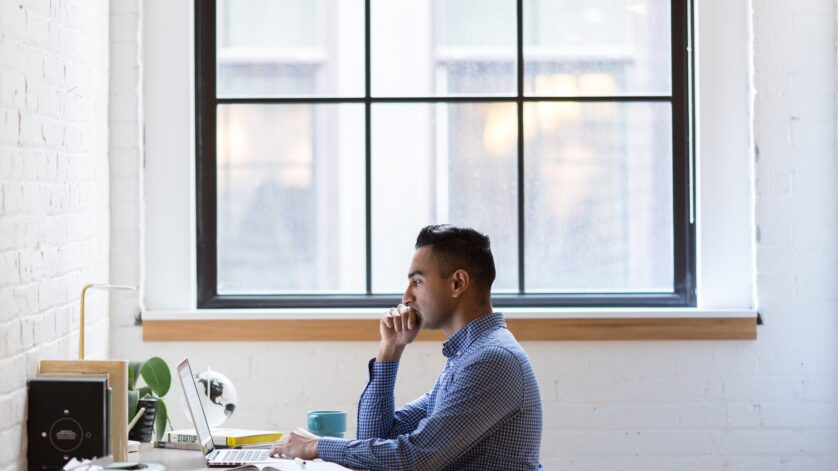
{"points": [[224, 437]]}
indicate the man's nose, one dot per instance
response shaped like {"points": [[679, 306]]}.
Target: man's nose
{"points": [[408, 297]]}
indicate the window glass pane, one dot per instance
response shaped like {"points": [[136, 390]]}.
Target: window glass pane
{"points": [[597, 47], [598, 196], [291, 199], [291, 178], [269, 48], [443, 163], [416, 44]]}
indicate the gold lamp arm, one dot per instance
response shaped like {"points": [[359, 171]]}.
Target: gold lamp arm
{"points": [[81, 322]]}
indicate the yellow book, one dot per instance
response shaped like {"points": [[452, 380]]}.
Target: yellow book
{"points": [[229, 437], [252, 437]]}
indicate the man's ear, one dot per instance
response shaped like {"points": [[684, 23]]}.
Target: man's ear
{"points": [[459, 283]]}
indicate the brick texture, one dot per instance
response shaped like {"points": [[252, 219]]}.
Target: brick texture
{"points": [[54, 230], [126, 158]]}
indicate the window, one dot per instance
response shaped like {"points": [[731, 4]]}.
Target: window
{"points": [[330, 131]]}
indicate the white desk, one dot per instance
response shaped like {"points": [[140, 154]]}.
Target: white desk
{"points": [[173, 459], [193, 460]]}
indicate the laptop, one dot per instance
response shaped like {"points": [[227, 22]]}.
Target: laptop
{"points": [[214, 456]]}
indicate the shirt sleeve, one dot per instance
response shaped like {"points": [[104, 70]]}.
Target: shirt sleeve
{"points": [[486, 392], [377, 417]]}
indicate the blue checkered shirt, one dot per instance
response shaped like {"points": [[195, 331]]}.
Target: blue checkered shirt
{"points": [[484, 412]]}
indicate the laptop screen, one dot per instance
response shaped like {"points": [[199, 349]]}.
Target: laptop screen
{"points": [[196, 409]]}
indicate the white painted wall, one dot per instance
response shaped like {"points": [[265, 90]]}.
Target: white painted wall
{"points": [[767, 81], [53, 194]]}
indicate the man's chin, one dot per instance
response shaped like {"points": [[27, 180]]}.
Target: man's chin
{"points": [[429, 324]]}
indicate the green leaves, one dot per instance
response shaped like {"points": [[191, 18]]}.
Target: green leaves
{"points": [[158, 379], [133, 399], [160, 419], [156, 374], [133, 373]]}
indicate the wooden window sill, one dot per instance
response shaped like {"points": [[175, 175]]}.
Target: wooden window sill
{"points": [[569, 325]]}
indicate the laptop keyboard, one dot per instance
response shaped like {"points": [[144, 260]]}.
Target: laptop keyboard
{"points": [[245, 455]]}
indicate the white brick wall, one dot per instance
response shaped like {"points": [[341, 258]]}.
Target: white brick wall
{"points": [[126, 157], [53, 193], [769, 404]]}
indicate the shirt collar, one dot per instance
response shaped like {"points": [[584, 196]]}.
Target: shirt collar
{"points": [[471, 332]]}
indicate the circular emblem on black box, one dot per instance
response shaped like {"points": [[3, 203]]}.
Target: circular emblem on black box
{"points": [[65, 434]]}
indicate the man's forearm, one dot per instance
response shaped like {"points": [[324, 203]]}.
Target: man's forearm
{"points": [[389, 352], [376, 406]]}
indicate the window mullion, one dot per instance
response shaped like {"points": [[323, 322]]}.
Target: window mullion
{"points": [[520, 78], [367, 146]]}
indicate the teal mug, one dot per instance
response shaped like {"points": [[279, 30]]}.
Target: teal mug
{"points": [[327, 423]]}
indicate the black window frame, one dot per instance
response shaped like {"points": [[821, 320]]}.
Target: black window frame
{"points": [[680, 97]]}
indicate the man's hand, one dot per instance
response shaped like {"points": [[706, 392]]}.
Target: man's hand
{"points": [[296, 445], [399, 327]]}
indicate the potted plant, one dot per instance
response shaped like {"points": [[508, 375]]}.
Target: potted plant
{"points": [[146, 408]]}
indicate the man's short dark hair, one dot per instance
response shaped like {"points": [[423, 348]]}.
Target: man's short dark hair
{"points": [[460, 248]]}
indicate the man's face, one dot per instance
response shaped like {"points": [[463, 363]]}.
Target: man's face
{"points": [[427, 291]]}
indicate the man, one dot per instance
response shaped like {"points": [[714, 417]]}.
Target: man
{"points": [[484, 413]]}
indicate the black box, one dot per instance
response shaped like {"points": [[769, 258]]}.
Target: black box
{"points": [[68, 418]]}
